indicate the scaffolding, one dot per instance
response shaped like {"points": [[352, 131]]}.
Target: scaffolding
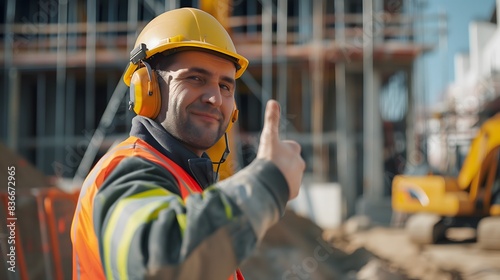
{"points": [[324, 61]]}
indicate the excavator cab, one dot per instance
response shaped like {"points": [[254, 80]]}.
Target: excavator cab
{"points": [[472, 199]]}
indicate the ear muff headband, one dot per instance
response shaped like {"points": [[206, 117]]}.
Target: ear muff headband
{"points": [[145, 97]]}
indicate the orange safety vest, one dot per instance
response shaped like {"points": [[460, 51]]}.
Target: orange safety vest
{"points": [[86, 258]]}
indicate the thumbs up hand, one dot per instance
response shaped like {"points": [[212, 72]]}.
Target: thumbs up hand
{"points": [[285, 154]]}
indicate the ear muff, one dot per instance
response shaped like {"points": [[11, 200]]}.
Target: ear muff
{"points": [[234, 118], [145, 97]]}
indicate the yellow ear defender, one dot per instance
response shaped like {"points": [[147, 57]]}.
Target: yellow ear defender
{"points": [[145, 97], [234, 118]]}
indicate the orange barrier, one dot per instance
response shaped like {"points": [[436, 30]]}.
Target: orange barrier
{"points": [[59, 208], [43, 245]]}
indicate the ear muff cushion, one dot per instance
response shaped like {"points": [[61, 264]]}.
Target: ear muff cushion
{"points": [[145, 93], [234, 118]]}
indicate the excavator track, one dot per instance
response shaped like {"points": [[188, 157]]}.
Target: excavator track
{"points": [[488, 233], [425, 228]]}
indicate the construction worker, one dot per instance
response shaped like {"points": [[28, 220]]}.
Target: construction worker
{"points": [[151, 207]]}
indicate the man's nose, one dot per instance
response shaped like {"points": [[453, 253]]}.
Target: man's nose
{"points": [[212, 94]]}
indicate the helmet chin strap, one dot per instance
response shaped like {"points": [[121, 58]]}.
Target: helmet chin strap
{"points": [[223, 158]]}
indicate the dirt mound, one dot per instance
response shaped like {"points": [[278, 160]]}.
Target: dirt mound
{"points": [[26, 175], [296, 248]]}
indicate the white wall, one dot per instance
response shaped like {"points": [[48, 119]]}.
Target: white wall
{"points": [[462, 66], [480, 34], [491, 54], [320, 202]]}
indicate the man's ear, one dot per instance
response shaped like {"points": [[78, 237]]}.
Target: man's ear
{"points": [[233, 119], [164, 86]]}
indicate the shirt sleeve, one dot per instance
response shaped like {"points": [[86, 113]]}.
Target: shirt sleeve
{"points": [[144, 228]]}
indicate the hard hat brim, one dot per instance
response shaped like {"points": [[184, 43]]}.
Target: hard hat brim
{"points": [[240, 60]]}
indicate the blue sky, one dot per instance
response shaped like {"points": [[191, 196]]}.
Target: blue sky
{"points": [[439, 64]]}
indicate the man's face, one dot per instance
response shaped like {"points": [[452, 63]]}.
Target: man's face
{"points": [[197, 98]]}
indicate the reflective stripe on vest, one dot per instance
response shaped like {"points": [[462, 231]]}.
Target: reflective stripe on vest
{"points": [[86, 258]]}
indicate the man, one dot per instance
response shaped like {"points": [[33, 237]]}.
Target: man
{"points": [[151, 207]]}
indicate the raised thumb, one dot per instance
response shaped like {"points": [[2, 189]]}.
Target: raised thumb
{"points": [[271, 120]]}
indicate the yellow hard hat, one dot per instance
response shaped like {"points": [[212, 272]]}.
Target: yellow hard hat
{"points": [[181, 28]]}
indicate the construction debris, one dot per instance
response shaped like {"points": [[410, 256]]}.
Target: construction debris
{"points": [[296, 248]]}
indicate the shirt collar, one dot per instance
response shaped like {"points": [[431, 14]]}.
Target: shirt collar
{"points": [[200, 168]]}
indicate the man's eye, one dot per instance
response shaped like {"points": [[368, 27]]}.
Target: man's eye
{"points": [[194, 78], [226, 90]]}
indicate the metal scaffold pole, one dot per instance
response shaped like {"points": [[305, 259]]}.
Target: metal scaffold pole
{"points": [[90, 64], [282, 31], [11, 78], [61, 77], [346, 165], [267, 53], [372, 123], [320, 162]]}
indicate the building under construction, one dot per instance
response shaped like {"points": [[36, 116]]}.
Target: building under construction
{"points": [[346, 74]]}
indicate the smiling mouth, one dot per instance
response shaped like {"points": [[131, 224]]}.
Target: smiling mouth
{"points": [[207, 117]]}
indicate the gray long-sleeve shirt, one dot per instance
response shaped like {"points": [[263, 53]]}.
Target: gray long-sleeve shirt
{"points": [[144, 228]]}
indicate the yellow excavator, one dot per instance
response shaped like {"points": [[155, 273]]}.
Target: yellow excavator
{"points": [[472, 199]]}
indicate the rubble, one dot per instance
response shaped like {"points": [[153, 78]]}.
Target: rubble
{"points": [[296, 248]]}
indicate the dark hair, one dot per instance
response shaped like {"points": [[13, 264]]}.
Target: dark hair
{"points": [[160, 61]]}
